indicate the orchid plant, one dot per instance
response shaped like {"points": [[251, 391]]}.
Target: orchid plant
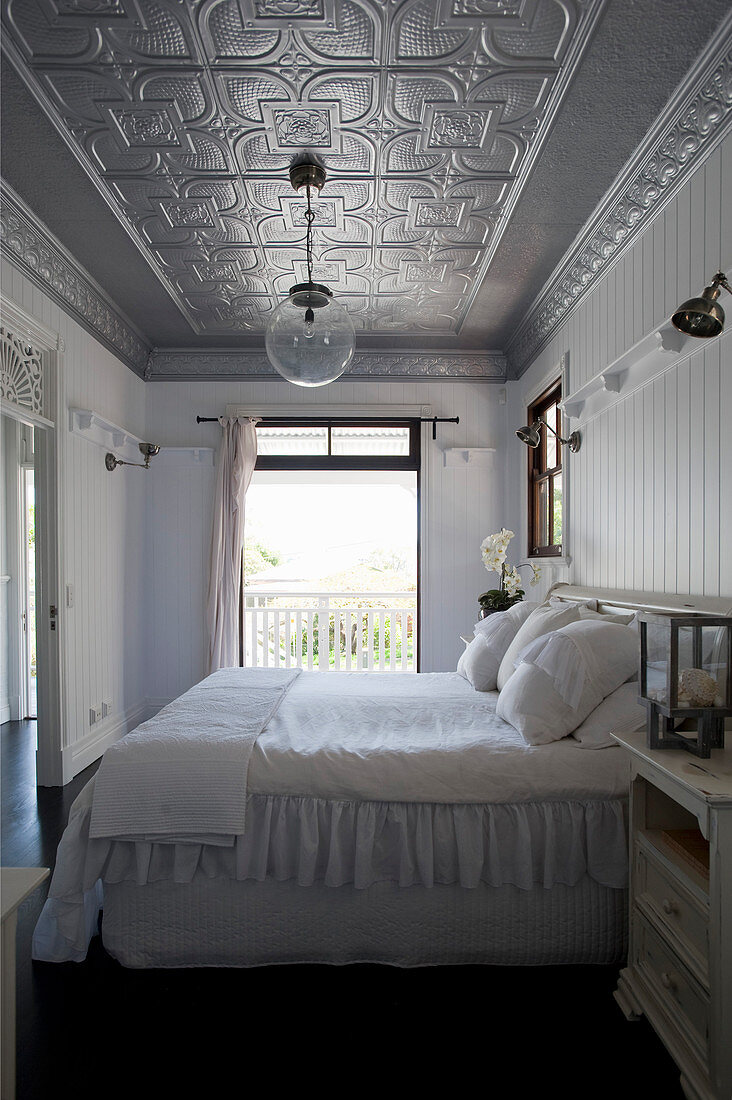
{"points": [[493, 551]]}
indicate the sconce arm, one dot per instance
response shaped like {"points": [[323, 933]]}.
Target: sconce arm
{"points": [[720, 279]]}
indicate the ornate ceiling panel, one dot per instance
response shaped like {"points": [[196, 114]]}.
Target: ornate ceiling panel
{"points": [[428, 115]]}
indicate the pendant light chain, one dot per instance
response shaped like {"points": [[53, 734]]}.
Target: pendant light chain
{"points": [[310, 216]]}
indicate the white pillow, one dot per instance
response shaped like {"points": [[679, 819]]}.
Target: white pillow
{"points": [[479, 664], [516, 615], [564, 675], [481, 660], [619, 711], [605, 652], [589, 611], [542, 620], [532, 705]]}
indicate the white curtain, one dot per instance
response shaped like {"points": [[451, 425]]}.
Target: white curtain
{"points": [[237, 457]]}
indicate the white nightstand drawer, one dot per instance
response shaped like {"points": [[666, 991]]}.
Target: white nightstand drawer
{"points": [[682, 1000], [666, 902]]}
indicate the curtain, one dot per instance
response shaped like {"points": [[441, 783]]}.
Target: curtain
{"points": [[237, 457]]}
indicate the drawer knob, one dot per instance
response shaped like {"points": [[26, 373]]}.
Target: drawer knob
{"points": [[667, 981], [669, 906]]}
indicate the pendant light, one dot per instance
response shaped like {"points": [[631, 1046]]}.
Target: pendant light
{"points": [[310, 338]]}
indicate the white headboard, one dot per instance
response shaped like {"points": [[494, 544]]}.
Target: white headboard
{"points": [[625, 599]]}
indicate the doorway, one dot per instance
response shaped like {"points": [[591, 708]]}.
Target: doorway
{"points": [[27, 555], [331, 547], [18, 668]]}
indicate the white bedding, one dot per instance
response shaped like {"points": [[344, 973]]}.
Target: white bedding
{"points": [[355, 779], [185, 771], [416, 737]]}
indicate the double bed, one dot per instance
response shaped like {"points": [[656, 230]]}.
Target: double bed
{"points": [[286, 816]]}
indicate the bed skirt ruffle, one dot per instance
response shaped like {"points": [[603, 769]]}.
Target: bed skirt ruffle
{"points": [[310, 841]]}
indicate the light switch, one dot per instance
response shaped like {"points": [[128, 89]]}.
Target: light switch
{"points": [[69, 595]]}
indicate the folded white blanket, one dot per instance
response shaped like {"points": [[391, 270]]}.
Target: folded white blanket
{"points": [[185, 771]]}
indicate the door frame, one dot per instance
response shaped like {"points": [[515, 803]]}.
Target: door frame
{"points": [[47, 465], [24, 465]]}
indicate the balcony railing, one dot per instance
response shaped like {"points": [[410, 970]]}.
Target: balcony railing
{"points": [[336, 632]]}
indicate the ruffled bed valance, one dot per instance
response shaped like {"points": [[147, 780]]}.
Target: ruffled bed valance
{"points": [[336, 843]]}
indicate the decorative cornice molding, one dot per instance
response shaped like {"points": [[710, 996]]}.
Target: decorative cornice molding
{"points": [[693, 123], [184, 363], [33, 249]]}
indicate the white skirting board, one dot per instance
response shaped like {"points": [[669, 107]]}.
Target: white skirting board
{"points": [[85, 751]]}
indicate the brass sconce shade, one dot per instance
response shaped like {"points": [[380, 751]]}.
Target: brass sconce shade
{"points": [[703, 316], [530, 434], [149, 450]]}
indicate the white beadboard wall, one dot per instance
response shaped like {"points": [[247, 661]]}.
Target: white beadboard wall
{"points": [[463, 505], [650, 492], [104, 539]]}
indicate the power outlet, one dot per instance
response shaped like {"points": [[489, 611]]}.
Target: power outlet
{"points": [[95, 715], [106, 709]]}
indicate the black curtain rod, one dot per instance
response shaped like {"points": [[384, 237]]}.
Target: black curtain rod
{"points": [[326, 422]]}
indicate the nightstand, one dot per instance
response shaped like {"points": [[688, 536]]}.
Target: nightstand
{"points": [[679, 972], [16, 884]]}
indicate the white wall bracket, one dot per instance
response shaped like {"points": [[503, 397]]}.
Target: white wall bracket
{"points": [[653, 355]]}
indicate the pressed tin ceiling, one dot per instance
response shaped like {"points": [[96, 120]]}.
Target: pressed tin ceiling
{"points": [[438, 121]]}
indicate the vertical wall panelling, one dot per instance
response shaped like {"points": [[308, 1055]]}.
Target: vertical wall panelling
{"points": [[651, 496], [101, 522]]}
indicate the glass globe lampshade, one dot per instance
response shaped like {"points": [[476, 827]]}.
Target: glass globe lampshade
{"points": [[310, 338]]}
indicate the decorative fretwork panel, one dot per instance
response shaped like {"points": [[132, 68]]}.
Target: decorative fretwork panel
{"points": [[21, 373]]}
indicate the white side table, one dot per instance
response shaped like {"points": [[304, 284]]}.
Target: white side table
{"points": [[16, 884], [679, 972]]}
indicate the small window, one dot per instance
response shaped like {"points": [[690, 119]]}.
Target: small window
{"points": [[338, 445], [545, 477]]}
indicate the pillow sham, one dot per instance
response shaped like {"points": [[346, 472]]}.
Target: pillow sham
{"points": [[516, 615], [620, 710], [542, 620], [531, 704], [480, 662], [564, 675], [606, 653]]}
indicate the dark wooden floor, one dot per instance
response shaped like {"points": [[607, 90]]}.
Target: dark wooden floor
{"points": [[95, 1029]]}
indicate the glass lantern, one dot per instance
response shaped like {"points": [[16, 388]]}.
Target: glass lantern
{"points": [[686, 679], [310, 338]]}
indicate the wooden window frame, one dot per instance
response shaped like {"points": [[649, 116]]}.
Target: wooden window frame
{"points": [[540, 473]]}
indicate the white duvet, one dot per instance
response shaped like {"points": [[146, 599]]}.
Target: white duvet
{"points": [[416, 737]]}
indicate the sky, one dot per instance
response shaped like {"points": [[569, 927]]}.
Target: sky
{"points": [[330, 526]]}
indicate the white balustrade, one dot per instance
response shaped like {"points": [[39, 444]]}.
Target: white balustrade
{"points": [[364, 631]]}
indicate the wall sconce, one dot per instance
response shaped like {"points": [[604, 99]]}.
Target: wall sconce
{"points": [[149, 450], [703, 316], [531, 436]]}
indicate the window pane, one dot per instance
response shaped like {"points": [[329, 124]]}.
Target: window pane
{"points": [[292, 441], [551, 440], [542, 534], [369, 441], [558, 509]]}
